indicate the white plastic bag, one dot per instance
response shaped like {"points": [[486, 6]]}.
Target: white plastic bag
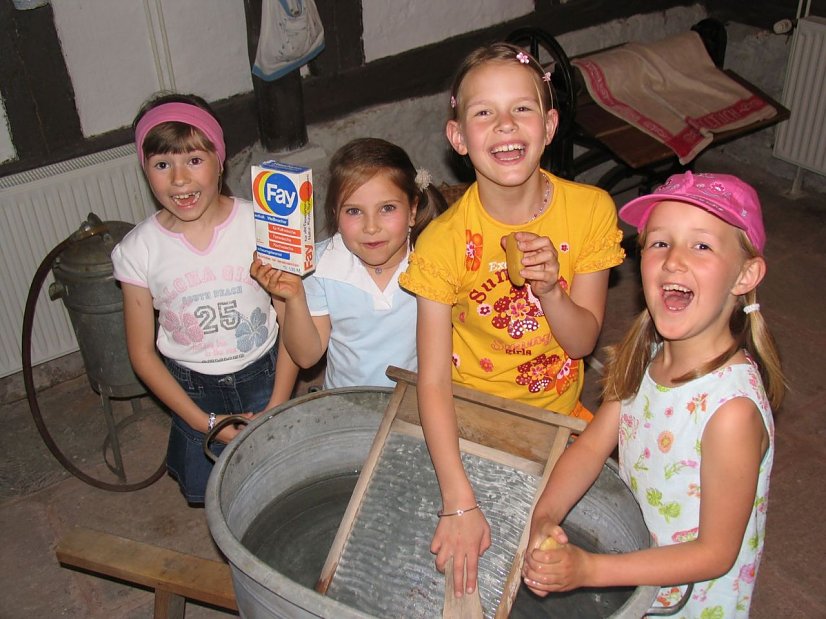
{"points": [[291, 36]]}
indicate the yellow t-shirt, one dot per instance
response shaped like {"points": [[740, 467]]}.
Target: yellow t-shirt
{"points": [[502, 343]]}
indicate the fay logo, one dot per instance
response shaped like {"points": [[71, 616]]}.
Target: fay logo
{"points": [[276, 193]]}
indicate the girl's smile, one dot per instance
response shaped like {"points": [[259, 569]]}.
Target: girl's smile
{"points": [[374, 222], [187, 200], [508, 153]]}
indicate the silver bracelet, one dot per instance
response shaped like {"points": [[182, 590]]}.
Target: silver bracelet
{"points": [[458, 512], [211, 422]]}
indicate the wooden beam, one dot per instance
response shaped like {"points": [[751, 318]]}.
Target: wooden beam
{"points": [[172, 575]]}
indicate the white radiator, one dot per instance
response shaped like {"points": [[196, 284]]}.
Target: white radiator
{"points": [[39, 209], [802, 139]]}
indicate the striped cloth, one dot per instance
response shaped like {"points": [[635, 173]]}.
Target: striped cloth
{"points": [[671, 90]]}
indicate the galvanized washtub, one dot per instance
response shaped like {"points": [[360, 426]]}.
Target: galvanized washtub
{"points": [[327, 435]]}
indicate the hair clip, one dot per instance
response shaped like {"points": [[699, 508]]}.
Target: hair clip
{"points": [[523, 58], [452, 101], [546, 77], [748, 309], [423, 179]]}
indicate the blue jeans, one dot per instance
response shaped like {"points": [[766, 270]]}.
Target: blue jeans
{"points": [[246, 391]]}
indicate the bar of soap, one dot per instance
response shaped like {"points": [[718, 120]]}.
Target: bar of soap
{"points": [[514, 260], [549, 543]]}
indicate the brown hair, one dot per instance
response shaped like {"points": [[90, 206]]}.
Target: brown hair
{"points": [[502, 52], [628, 360], [359, 160], [173, 137]]}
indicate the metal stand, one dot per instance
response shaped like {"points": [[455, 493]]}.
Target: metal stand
{"points": [[112, 434]]}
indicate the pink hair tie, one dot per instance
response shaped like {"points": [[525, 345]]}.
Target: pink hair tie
{"points": [[182, 113]]}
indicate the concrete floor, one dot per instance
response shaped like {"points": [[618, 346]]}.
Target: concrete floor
{"points": [[40, 501]]}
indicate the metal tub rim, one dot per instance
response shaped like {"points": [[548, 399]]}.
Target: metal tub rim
{"points": [[239, 557]]}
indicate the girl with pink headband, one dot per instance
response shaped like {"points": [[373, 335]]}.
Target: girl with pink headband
{"points": [[216, 349]]}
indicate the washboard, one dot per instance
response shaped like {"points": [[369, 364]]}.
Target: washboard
{"points": [[380, 561]]}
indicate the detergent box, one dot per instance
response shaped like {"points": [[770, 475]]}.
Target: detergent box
{"points": [[282, 195]]}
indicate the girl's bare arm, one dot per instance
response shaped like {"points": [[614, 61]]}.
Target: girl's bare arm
{"points": [[462, 537], [728, 474], [577, 468], [286, 370], [576, 319]]}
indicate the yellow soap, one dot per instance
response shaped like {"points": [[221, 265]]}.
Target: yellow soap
{"points": [[549, 543], [513, 256]]}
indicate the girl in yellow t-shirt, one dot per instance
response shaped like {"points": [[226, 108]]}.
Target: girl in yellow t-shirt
{"points": [[474, 326]]}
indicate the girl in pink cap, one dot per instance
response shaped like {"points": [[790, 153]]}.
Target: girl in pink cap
{"points": [[216, 347], [688, 401]]}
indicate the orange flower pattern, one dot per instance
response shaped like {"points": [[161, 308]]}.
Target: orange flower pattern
{"points": [[698, 403], [473, 250], [664, 441]]}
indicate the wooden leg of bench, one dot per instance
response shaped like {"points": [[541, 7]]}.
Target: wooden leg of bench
{"points": [[169, 605]]}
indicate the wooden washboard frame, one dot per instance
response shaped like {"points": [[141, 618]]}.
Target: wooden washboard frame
{"points": [[522, 436]]}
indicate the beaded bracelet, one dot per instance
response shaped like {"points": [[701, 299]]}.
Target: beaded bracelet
{"points": [[211, 422], [458, 512]]}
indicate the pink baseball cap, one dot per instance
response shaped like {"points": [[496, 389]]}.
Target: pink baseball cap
{"points": [[722, 195]]}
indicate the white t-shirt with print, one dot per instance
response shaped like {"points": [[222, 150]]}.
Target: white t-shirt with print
{"points": [[213, 316]]}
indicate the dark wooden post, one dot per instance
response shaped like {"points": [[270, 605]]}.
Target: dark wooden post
{"points": [[280, 103]]}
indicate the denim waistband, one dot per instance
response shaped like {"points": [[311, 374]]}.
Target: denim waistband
{"points": [[182, 373]]}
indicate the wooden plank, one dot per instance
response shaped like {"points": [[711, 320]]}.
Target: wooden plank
{"points": [[168, 605], [147, 565], [514, 578], [469, 606], [465, 446], [503, 405], [353, 507], [507, 426]]}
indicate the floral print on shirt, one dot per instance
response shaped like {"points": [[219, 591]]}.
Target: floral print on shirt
{"points": [[660, 435], [473, 250]]}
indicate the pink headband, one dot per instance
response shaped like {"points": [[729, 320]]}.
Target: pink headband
{"points": [[183, 113]]}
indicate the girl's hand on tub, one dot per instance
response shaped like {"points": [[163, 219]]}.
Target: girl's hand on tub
{"points": [[232, 430]]}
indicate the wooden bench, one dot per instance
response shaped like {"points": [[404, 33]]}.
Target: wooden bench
{"points": [[605, 137], [174, 576]]}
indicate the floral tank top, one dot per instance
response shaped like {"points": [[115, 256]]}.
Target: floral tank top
{"points": [[660, 434]]}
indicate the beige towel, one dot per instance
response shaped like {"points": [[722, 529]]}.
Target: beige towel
{"points": [[672, 91]]}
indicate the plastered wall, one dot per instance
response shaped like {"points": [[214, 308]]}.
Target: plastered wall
{"points": [[118, 52]]}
